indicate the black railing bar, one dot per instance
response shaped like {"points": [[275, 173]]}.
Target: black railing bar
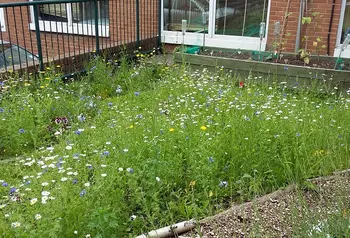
{"points": [[30, 37], [24, 38], [35, 3], [9, 34], [58, 41], [2, 48], [73, 33], [44, 33], [63, 35], [52, 47], [16, 33]]}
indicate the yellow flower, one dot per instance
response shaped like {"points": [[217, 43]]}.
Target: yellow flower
{"points": [[319, 152], [171, 129], [42, 86], [48, 68], [58, 66], [47, 78], [131, 126], [192, 183], [211, 193], [203, 128]]}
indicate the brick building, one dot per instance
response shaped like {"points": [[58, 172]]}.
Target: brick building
{"points": [[236, 24], [68, 29]]}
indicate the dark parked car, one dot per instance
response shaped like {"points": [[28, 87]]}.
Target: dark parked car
{"points": [[12, 54]]}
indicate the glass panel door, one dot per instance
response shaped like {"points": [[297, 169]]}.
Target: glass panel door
{"points": [[191, 10], [240, 17]]}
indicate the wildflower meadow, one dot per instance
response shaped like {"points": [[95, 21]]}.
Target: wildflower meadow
{"points": [[128, 148]]}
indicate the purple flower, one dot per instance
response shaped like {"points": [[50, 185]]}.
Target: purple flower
{"points": [[12, 190], [297, 134], [110, 104], [4, 184], [1, 110], [58, 120], [137, 93], [21, 130], [82, 193], [130, 170], [211, 159], [106, 153], [75, 181], [77, 132], [285, 68]]}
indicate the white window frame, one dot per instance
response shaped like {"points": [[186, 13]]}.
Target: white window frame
{"points": [[68, 27], [2, 20], [346, 52], [215, 40]]}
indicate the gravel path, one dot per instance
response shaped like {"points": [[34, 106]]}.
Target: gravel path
{"points": [[279, 213]]}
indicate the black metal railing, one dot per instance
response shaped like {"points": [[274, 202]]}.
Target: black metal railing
{"points": [[36, 34]]}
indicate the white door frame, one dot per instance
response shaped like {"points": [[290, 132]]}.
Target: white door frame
{"points": [[346, 53], [213, 40]]}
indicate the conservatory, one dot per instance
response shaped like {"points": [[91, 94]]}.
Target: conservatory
{"points": [[218, 23]]}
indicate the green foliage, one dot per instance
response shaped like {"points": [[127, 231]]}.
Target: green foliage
{"points": [[169, 144]]}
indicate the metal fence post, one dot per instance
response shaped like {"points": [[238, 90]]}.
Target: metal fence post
{"points": [[138, 23], [96, 27], [160, 23], [38, 38]]}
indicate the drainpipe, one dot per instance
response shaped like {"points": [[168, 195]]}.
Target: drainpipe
{"points": [[330, 29], [301, 15]]}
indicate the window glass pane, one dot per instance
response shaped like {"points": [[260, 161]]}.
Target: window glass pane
{"points": [[84, 12], [240, 17], [191, 10], [346, 23], [53, 12]]}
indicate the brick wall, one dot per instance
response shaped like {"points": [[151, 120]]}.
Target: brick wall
{"points": [[122, 30], [324, 7]]}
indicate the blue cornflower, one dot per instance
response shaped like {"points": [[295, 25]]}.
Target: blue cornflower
{"points": [[77, 132], [81, 118], [161, 131], [139, 116], [119, 89], [223, 184], [130, 170], [285, 68], [106, 153], [110, 104], [211, 159], [21, 130], [4, 184], [82, 193], [28, 182], [297, 134], [75, 181], [12, 190], [1, 110], [136, 93]]}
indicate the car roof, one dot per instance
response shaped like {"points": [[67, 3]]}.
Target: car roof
{"points": [[4, 42]]}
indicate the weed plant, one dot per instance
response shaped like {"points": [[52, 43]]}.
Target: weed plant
{"points": [[129, 148]]}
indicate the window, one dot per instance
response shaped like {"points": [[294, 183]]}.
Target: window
{"points": [[2, 20], [343, 30], [346, 22], [216, 23], [73, 18], [191, 10], [240, 18]]}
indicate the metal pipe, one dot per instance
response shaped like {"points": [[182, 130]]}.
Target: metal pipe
{"points": [[301, 15], [330, 28]]}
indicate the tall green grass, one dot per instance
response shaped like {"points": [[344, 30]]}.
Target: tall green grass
{"points": [[150, 145]]}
